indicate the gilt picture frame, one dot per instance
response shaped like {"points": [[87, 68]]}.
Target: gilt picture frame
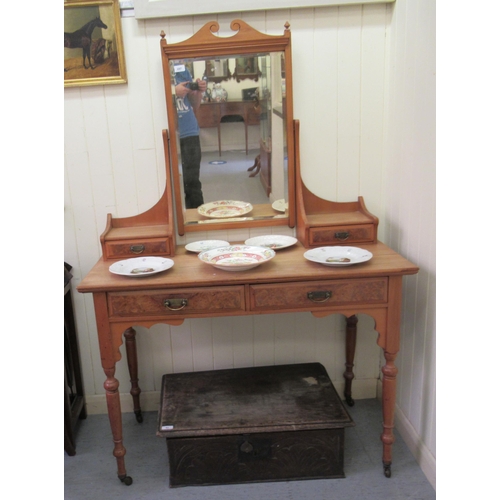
{"points": [[93, 43]]}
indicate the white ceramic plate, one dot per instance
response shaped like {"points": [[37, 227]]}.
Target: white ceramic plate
{"points": [[202, 246], [141, 266], [225, 208], [280, 205], [274, 241], [338, 256], [237, 257]]}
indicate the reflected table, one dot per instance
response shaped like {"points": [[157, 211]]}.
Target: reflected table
{"points": [[210, 114]]}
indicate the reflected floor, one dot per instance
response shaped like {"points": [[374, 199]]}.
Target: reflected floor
{"points": [[227, 177]]}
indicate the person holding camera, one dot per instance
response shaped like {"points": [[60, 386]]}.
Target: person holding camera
{"points": [[188, 96]]}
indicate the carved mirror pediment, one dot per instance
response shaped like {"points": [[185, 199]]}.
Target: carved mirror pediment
{"points": [[240, 89]]}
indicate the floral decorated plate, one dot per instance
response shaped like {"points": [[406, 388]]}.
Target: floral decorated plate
{"points": [[274, 241], [237, 257], [280, 205], [225, 208], [202, 246], [338, 256], [141, 266]]}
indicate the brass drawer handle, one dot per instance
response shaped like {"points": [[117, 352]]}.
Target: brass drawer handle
{"points": [[320, 296], [342, 235], [175, 304], [137, 248]]}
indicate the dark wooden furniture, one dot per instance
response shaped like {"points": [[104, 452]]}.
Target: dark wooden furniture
{"points": [[74, 397], [252, 424], [210, 114]]}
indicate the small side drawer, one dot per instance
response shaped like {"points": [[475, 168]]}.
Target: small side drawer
{"points": [[342, 235], [125, 249], [317, 294], [184, 302]]}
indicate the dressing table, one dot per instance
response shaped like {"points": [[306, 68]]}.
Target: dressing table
{"points": [[287, 283]]}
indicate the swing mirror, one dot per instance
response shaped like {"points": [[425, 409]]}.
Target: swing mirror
{"points": [[245, 127]]}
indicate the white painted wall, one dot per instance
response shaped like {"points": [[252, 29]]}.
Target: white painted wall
{"points": [[410, 214], [364, 93]]}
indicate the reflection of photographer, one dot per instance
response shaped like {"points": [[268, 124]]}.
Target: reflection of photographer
{"points": [[188, 96]]}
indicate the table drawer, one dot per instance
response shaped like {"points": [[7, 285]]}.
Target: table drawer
{"points": [[208, 115], [348, 234], [318, 294], [253, 114], [187, 301], [124, 249]]}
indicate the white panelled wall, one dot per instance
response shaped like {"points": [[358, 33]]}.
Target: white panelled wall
{"points": [[364, 93]]}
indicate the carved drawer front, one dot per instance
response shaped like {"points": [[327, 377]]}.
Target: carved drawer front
{"points": [[186, 301], [318, 294], [125, 249], [256, 457], [319, 236]]}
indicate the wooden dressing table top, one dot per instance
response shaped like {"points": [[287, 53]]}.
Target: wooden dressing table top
{"points": [[289, 265], [287, 283]]}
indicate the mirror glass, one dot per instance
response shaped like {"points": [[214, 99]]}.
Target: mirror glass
{"points": [[242, 134], [246, 67], [216, 70]]}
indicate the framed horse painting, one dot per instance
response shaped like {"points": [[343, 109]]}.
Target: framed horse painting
{"points": [[93, 44]]}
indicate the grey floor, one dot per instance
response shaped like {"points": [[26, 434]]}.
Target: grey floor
{"points": [[231, 180], [91, 473]]}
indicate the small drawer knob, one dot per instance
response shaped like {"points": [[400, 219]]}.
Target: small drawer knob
{"points": [[342, 235], [137, 248]]}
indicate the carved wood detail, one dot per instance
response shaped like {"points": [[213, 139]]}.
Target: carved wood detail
{"points": [[296, 295], [123, 249], [199, 300], [256, 457], [326, 236]]}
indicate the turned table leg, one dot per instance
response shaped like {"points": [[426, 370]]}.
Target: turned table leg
{"points": [[135, 390], [389, 371], [115, 418], [350, 349]]}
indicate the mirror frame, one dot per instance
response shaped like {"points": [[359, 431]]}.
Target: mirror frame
{"points": [[206, 44]]}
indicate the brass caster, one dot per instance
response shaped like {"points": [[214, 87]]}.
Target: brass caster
{"points": [[127, 480], [387, 470]]}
